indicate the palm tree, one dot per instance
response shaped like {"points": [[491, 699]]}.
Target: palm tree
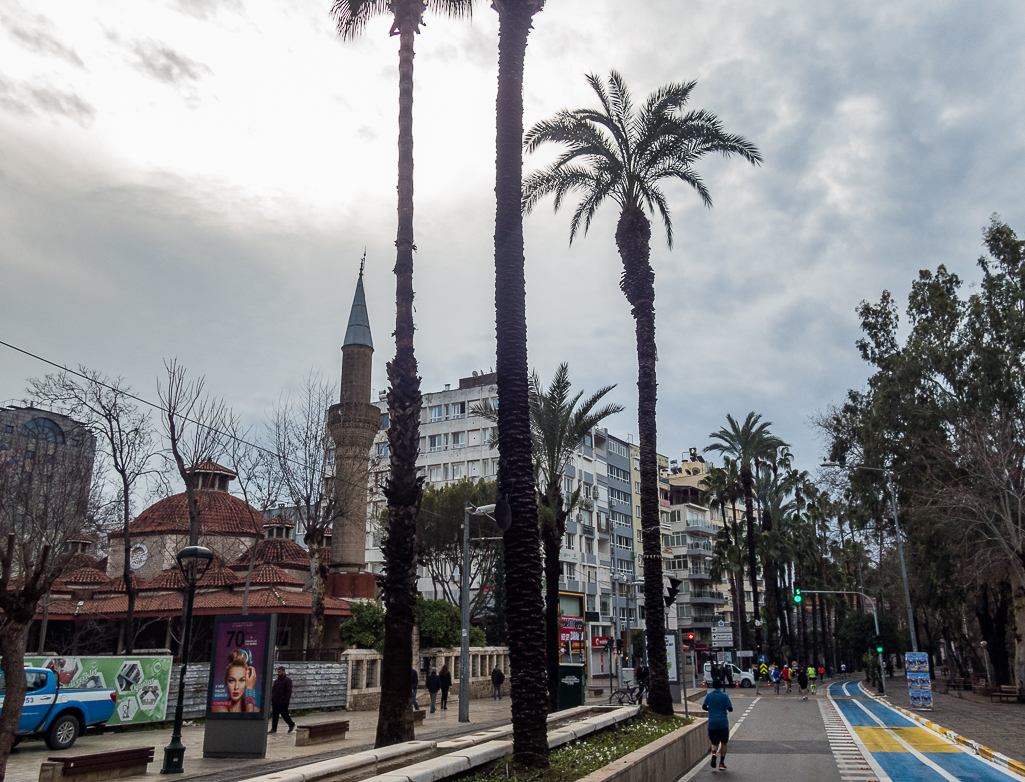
{"points": [[404, 488], [721, 489], [619, 154], [746, 443], [517, 502], [558, 423]]}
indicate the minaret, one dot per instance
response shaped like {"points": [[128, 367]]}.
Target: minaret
{"points": [[353, 423]]}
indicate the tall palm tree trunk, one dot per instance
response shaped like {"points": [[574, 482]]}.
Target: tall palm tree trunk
{"points": [[771, 622], [741, 604], [747, 481], [516, 470], [633, 238], [404, 488]]}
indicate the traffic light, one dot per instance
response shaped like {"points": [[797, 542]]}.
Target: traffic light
{"points": [[879, 645], [619, 644], [672, 590], [797, 593], [690, 638]]}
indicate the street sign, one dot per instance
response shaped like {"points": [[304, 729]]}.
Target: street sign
{"points": [[722, 623], [723, 643], [763, 658], [746, 653]]}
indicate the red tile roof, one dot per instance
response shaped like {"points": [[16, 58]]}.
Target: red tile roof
{"points": [[269, 574], [279, 521], [266, 600], [118, 584], [219, 513], [170, 579], [218, 576], [277, 551], [212, 466], [84, 576]]}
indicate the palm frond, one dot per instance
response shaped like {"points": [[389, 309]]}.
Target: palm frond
{"points": [[351, 16]]}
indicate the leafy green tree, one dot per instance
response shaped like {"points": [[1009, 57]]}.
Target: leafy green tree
{"points": [[745, 443], [439, 622], [365, 628], [619, 154], [403, 490]]}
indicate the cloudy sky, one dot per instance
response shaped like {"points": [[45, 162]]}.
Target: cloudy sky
{"points": [[199, 178]]}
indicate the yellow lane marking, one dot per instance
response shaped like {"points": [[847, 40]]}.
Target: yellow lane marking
{"points": [[924, 740], [877, 739]]}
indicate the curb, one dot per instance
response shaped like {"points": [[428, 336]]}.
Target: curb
{"points": [[981, 750]]}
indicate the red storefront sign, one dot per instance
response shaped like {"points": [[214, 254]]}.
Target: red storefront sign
{"points": [[601, 641], [571, 631]]}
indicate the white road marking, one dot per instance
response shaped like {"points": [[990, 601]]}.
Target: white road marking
{"points": [[852, 734]]}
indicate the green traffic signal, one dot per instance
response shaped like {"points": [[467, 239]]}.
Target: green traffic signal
{"points": [[797, 595], [879, 649]]}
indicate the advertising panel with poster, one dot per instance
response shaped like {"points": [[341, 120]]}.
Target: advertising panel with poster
{"points": [[671, 656], [571, 632], [238, 668], [916, 667]]}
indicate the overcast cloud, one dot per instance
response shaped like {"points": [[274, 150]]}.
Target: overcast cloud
{"points": [[199, 179]]}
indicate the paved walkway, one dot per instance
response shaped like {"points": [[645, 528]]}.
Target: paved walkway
{"points": [[281, 750], [999, 726]]}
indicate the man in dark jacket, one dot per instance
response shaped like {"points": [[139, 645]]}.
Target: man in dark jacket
{"points": [[280, 697], [433, 685], [497, 677], [414, 682]]}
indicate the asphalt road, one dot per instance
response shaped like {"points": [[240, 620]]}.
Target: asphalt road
{"points": [[844, 736]]}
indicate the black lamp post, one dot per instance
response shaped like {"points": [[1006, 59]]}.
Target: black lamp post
{"points": [[193, 562]]}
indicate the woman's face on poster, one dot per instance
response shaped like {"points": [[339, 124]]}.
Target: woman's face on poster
{"points": [[235, 680]]}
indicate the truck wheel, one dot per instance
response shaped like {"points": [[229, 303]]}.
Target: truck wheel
{"points": [[63, 732]]}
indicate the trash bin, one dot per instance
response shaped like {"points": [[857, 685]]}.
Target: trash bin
{"points": [[572, 685]]}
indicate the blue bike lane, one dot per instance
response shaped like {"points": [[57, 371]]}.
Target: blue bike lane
{"points": [[903, 751]]}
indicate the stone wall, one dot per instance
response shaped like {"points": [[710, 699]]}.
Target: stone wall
{"points": [[365, 673]]}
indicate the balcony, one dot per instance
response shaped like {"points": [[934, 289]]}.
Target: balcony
{"points": [[697, 547], [588, 530], [707, 596], [702, 526], [699, 573]]}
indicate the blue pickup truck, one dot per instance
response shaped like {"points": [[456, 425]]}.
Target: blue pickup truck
{"points": [[60, 714]]}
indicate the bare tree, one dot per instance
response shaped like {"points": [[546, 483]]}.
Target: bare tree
{"points": [[44, 500], [301, 442], [125, 433], [194, 424]]}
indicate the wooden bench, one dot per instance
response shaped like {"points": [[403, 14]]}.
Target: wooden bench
{"points": [[97, 766], [418, 716], [1004, 692], [320, 732], [959, 684]]}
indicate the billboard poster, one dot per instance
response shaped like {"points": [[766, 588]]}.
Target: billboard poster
{"points": [[238, 668], [916, 667], [671, 656], [140, 682], [571, 631]]}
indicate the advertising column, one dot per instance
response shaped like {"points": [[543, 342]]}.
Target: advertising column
{"points": [[916, 667], [238, 693]]}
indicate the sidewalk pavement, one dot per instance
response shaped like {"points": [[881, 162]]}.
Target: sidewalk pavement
{"points": [[281, 750], [999, 726]]}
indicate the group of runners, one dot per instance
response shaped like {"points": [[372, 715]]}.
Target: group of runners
{"points": [[782, 678]]}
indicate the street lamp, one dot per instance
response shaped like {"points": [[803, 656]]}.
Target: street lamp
{"points": [[464, 600], [193, 562], [900, 547]]}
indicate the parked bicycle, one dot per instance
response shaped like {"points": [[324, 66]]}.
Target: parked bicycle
{"points": [[625, 696]]}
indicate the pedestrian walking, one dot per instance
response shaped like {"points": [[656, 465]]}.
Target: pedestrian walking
{"points": [[414, 682], [811, 678], [843, 670], [785, 675], [433, 686], [717, 704], [446, 682], [497, 677], [641, 674], [774, 677], [280, 697], [802, 683]]}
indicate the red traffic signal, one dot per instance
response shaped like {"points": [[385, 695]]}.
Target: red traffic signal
{"points": [[690, 637]]}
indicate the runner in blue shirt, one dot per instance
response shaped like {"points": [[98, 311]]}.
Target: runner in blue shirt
{"points": [[717, 703]]}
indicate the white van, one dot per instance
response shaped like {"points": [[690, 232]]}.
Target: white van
{"points": [[744, 678]]}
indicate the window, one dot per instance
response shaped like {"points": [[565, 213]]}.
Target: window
{"points": [[385, 420], [623, 541], [44, 429], [747, 596], [569, 570], [638, 511], [437, 413], [588, 546], [458, 410], [667, 540], [458, 471], [620, 496], [637, 487], [434, 473], [622, 612], [642, 612], [590, 603], [458, 439], [604, 605], [435, 442], [616, 472], [382, 450], [632, 613], [570, 541]]}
